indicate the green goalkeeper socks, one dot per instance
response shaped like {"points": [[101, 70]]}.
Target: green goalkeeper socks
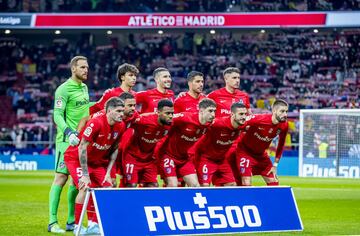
{"points": [[72, 193], [54, 199]]}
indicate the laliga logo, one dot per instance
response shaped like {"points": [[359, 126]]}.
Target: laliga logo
{"points": [[216, 217]]}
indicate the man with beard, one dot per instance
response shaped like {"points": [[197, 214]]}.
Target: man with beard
{"points": [[126, 74], [211, 164], [91, 162], [70, 106], [186, 129], [251, 156], [149, 99], [189, 101], [139, 164]]}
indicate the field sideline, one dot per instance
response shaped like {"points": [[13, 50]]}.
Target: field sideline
{"points": [[328, 206]]}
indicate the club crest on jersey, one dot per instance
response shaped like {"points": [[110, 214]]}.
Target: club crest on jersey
{"points": [[232, 134], [166, 132], [116, 134], [128, 176], [88, 131], [157, 133], [204, 131], [168, 170], [271, 130], [58, 103], [205, 177], [198, 131], [241, 101], [242, 170], [62, 165], [278, 131]]}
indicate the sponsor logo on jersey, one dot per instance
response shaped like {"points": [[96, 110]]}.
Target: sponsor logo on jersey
{"points": [[101, 147], [265, 139], [229, 142], [193, 139]]}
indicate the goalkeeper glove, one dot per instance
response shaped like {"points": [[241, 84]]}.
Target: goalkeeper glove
{"points": [[73, 137]]}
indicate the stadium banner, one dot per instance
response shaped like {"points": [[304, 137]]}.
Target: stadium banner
{"points": [[181, 211], [326, 167], [14, 20], [178, 20], [27, 162]]}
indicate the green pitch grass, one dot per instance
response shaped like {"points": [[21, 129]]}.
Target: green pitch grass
{"points": [[327, 206]]}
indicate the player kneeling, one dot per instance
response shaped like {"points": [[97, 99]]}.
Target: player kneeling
{"points": [[91, 162]]}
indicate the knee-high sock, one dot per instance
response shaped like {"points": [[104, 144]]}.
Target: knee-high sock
{"points": [[91, 213], [54, 199], [72, 193], [78, 209]]}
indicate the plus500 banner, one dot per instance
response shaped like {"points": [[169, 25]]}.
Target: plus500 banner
{"points": [[196, 211]]}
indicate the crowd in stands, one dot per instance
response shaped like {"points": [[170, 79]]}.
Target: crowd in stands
{"points": [[309, 70], [175, 6]]}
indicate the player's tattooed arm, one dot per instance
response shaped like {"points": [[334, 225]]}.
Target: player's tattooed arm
{"points": [[83, 156]]}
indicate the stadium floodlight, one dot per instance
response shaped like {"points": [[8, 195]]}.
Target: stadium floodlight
{"points": [[57, 32], [212, 31], [109, 32], [262, 31], [316, 31], [7, 31], [160, 32], [329, 143]]}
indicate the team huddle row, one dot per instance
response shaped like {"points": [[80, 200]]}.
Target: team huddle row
{"points": [[194, 139]]}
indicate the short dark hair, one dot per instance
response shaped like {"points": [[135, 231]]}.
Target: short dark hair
{"points": [[164, 103], [75, 60], [114, 102], [158, 70], [123, 68], [230, 70], [280, 102], [237, 105], [192, 74], [207, 102], [126, 95]]}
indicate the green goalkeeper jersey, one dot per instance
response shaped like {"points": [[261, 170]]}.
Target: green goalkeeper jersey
{"points": [[70, 106]]}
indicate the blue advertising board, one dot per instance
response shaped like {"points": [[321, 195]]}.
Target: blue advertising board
{"points": [[27, 162], [181, 211]]}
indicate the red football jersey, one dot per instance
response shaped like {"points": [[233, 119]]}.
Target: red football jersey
{"points": [[149, 99], [101, 136], [147, 133], [224, 100], [259, 132], [217, 140], [187, 103], [113, 92], [185, 131]]}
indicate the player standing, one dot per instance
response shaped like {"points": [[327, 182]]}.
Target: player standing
{"points": [[91, 162], [148, 99], [71, 105], [225, 97], [188, 102], [251, 156], [210, 150], [126, 74], [186, 129], [139, 164]]}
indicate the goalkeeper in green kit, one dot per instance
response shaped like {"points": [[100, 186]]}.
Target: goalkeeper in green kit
{"points": [[70, 106]]}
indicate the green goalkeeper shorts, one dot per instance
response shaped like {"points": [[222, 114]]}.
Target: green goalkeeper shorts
{"points": [[60, 166]]}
